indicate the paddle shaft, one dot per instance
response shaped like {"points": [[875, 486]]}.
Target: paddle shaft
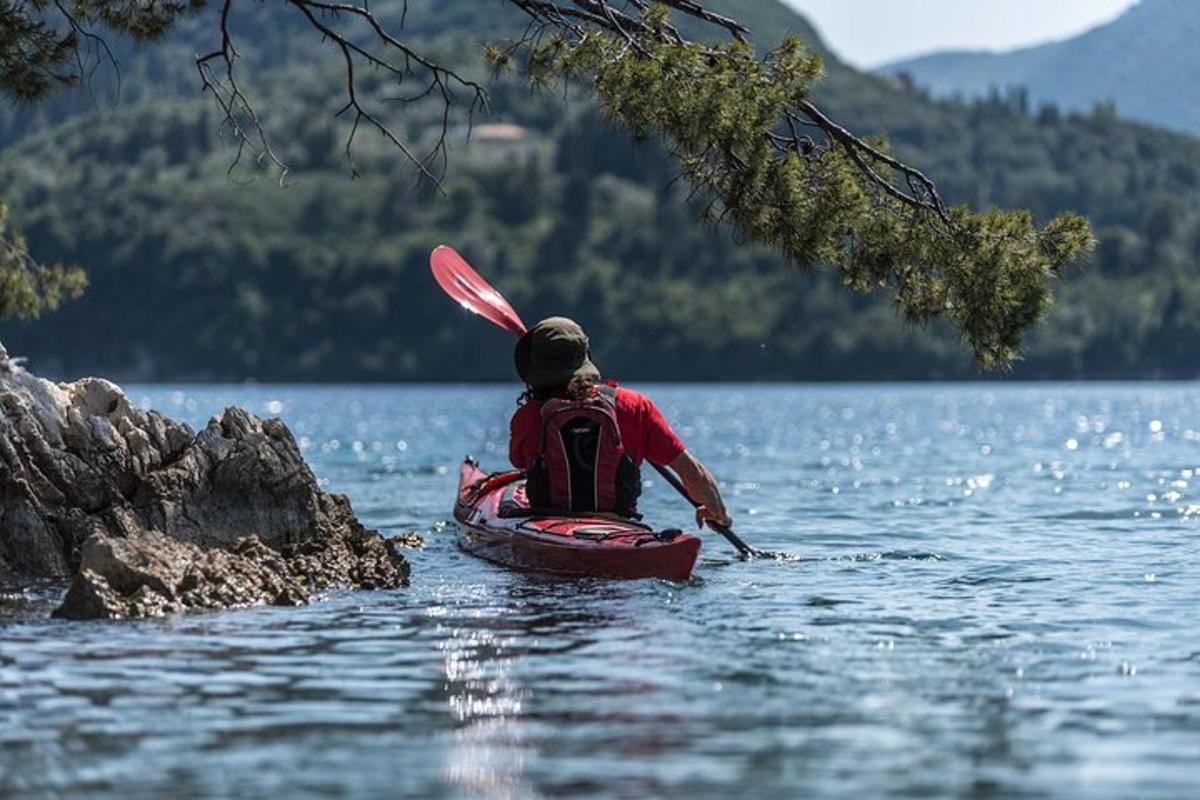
{"points": [[730, 536]]}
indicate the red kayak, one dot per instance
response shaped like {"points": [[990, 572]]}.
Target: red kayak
{"points": [[497, 524]]}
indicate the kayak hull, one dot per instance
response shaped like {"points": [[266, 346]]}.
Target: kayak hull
{"points": [[496, 524]]}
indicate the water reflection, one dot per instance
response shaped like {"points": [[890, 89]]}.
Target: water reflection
{"points": [[489, 753], [490, 655]]}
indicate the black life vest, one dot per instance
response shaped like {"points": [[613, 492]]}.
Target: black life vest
{"points": [[581, 463]]}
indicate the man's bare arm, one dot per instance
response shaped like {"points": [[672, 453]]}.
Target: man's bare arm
{"points": [[702, 488]]}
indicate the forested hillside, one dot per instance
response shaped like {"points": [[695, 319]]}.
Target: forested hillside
{"points": [[196, 274]]}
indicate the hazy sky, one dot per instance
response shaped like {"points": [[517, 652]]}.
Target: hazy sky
{"points": [[870, 32]]}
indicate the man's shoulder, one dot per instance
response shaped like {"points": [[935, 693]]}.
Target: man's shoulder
{"points": [[528, 409], [631, 399]]}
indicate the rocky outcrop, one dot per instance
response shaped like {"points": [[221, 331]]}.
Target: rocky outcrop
{"points": [[149, 574], [148, 517]]}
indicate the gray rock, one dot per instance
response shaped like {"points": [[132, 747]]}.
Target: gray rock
{"points": [[148, 574], [148, 517]]}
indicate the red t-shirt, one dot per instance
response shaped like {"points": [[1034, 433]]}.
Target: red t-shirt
{"points": [[644, 432]]}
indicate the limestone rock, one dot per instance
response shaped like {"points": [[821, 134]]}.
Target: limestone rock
{"points": [[149, 574], [149, 517]]}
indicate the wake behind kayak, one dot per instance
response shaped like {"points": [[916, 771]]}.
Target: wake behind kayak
{"points": [[495, 523]]}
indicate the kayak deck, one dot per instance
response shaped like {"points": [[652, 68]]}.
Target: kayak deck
{"points": [[495, 523]]}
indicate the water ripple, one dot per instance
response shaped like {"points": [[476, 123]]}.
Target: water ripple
{"points": [[979, 609]]}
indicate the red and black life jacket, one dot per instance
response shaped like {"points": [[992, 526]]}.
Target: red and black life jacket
{"points": [[582, 464]]}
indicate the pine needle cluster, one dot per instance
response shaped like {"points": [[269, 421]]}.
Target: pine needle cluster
{"points": [[26, 287], [738, 125], [42, 41]]}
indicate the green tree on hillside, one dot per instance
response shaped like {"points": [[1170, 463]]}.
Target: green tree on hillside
{"points": [[756, 150]]}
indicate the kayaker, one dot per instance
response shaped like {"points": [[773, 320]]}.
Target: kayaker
{"points": [[581, 441]]}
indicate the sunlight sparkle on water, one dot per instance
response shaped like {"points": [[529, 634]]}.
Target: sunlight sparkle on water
{"points": [[1040, 628]]}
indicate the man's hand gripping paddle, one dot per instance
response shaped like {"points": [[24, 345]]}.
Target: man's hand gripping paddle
{"points": [[465, 287]]}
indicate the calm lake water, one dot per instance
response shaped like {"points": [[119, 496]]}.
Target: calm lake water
{"points": [[999, 596]]}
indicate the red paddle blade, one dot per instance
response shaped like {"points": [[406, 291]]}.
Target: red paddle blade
{"points": [[469, 290]]}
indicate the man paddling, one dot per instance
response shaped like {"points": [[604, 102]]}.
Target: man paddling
{"points": [[581, 442]]}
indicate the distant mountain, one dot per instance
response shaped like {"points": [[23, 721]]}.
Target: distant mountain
{"points": [[1146, 62]]}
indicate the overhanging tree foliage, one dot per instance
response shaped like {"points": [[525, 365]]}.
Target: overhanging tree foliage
{"points": [[26, 287], [758, 153]]}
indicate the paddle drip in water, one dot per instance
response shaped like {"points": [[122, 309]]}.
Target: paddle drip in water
{"points": [[775, 555]]}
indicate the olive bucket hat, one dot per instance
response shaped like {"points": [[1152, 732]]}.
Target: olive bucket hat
{"points": [[553, 352]]}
